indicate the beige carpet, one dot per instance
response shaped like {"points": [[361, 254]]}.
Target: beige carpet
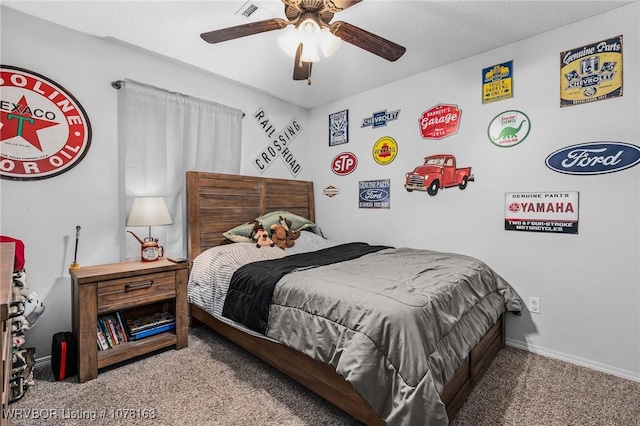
{"points": [[213, 382]]}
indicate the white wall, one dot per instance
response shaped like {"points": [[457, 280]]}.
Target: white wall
{"points": [[588, 284], [44, 213]]}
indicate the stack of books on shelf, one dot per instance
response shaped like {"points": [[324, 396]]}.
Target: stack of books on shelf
{"points": [[114, 329], [149, 325], [111, 330]]}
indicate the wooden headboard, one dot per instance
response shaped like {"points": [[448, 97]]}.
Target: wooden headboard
{"points": [[218, 202]]}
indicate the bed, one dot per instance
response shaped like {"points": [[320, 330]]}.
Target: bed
{"points": [[218, 202]]}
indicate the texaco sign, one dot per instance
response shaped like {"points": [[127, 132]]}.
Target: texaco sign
{"points": [[44, 131]]}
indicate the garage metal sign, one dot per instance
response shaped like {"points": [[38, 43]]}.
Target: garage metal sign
{"points": [[44, 131], [440, 121]]}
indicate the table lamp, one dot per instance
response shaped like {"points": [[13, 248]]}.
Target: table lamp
{"points": [[149, 211]]}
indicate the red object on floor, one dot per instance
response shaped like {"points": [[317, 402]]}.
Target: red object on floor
{"points": [[64, 355], [18, 263], [63, 359]]}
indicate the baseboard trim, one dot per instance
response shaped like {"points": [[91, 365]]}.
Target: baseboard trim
{"points": [[625, 374]]}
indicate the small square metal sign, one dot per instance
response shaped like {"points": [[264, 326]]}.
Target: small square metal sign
{"points": [[374, 194], [339, 128], [497, 82]]}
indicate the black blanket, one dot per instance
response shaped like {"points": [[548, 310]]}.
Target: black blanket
{"points": [[252, 285]]}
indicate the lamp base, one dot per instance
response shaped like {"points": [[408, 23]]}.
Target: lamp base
{"points": [[151, 251], [143, 259]]}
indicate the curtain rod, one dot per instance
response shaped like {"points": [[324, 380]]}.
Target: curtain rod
{"points": [[118, 84]]}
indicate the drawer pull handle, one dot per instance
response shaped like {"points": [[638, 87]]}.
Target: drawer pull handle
{"points": [[138, 286]]}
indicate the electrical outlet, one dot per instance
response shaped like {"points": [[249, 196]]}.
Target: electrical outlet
{"points": [[534, 305]]}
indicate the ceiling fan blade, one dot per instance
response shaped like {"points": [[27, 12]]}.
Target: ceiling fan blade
{"points": [[238, 31], [368, 41], [301, 69], [339, 5]]}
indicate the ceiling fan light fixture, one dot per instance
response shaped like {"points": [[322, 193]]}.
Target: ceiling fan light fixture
{"points": [[312, 38], [328, 42], [309, 28], [289, 41], [307, 31], [309, 53]]}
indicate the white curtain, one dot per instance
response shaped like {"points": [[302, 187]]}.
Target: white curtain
{"points": [[162, 136]]}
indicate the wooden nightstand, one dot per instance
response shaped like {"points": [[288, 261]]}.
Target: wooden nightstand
{"points": [[136, 288]]}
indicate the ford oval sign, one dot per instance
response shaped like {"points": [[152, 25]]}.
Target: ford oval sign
{"points": [[374, 195], [594, 158]]}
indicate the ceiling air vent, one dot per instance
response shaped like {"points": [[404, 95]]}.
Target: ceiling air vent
{"points": [[252, 12]]}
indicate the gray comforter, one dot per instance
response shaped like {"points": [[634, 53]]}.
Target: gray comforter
{"points": [[395, 323]]}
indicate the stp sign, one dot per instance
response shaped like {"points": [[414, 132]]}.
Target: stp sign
{"points": [[440, 121], [344, 163]]}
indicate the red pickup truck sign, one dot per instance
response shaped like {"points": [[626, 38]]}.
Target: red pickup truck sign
{"points": [[438, 172], [440, 121]]}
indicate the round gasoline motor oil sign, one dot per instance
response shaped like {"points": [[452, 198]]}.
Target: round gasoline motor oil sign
{"points": [[44, 131]]}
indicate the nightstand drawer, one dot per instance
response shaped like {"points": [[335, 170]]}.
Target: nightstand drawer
{"points": [[122, 293]]}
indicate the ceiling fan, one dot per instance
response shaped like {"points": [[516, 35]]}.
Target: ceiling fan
{"points": [[312, 15]]}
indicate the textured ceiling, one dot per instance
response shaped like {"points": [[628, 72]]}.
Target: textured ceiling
{"points": [[435, 33]]}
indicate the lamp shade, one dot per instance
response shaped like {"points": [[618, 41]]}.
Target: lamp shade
{"points": [[313, 39], [328, 42], [149, 211], [289, 41]]}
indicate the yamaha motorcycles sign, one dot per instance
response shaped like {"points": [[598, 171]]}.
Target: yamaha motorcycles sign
{"points": [[44, 131], [594, 158], [551, 212]]}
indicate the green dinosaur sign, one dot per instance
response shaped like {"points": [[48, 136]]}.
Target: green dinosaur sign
{"points": [[509, 128]]}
